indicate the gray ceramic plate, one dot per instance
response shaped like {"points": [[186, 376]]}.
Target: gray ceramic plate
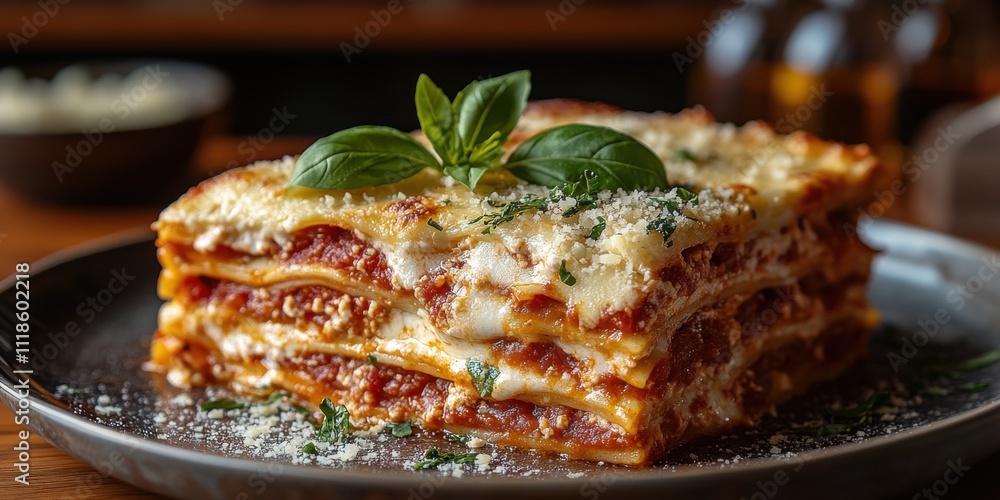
{"points": [[91, 398]]}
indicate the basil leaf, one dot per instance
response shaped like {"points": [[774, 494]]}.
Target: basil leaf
{"points": [[361, 157], [562, 155], [466, 174], [438, 119], [489, 106], [488, 151], [483, 376], [336, 422]]}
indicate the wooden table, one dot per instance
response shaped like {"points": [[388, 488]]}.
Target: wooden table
{"points": [[30, 230]]}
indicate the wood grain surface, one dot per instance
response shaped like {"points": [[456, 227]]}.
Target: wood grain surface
{"points": [[30, 230]]}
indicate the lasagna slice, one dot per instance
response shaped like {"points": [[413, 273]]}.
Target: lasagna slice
{"points": [[611, 330]]}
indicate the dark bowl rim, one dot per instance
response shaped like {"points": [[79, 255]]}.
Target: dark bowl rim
{"points": [[205, 70]]}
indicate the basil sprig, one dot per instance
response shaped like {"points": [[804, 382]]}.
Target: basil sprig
{"points": [[468, 134]]}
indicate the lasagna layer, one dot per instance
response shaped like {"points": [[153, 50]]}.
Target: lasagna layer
{"points": [[615, 329], [623, 343], [250, 326]]}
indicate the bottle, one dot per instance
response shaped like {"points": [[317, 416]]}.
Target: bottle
{"points": [[949, 53], [837, 77], [731, 79]]}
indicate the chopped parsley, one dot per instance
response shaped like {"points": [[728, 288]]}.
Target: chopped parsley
{"points": [[310, 448], [980, 386], [667, 222], [276, 396], [565, 276], [434, 224], [509, 211], [584, 192], [231, 404], [433, 458], [483, 376], [371, 360], [222, 404], [955, 370], [598, 229], [456, 438], [981, 361], [401, 429], [685, 154], [336, 425], [848, 420]]}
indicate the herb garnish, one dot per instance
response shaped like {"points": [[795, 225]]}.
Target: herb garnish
{"points": [[468, 134], [667, 222], [685, 154], [565, 276], [598, 229], [483, 376], [510, 210], [956, 370], [276, 396], [371, 360], [847, 420], [583, 192], [222, 404], [456, 438], [231, 404], [433, 458], [400, 429], [979, 386], [310, 448], [336, 425], [434, 224]]}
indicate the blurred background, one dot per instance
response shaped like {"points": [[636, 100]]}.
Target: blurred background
{"points": [[887, 73], [111, 109]]}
